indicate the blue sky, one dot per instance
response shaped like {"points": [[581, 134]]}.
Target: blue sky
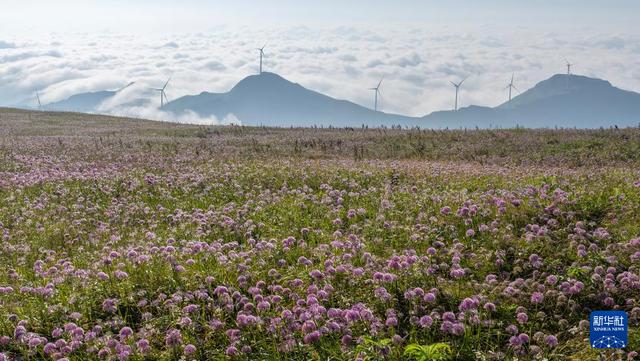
{"points": [[340, 48], [188, 15]]}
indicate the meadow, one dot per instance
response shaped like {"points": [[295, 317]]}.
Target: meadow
{"points": [[125, 239]]}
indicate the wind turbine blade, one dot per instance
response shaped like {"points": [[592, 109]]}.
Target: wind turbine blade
{"points": [[462, 81], [165, 84], [454, 84], [380, 83]]}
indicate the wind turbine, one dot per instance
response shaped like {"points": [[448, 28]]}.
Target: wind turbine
{"points": [[511, 87], [125, 87], [163, 95], [377, 91], [457, 86], [38, 99], [569, 65], [261, 50]]}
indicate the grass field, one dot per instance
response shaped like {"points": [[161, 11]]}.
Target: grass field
{"points": [[134, 240]]}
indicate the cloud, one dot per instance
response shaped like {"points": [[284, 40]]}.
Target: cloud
{"points": [[187, 117], [29, 54], [6, 45], [214, 65], [411, 60], [171, 44], [417, 62]]}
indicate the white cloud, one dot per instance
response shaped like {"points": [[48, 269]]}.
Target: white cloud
{"points": [[417, 63], [6, 45]]}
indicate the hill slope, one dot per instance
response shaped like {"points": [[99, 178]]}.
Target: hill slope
{"points": [[272, 100], [562, 100], [83, 103]]}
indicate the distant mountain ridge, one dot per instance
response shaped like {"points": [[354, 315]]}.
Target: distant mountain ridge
{"points": [[269, 99], [87, 102], [562, 100], [83, 102]]}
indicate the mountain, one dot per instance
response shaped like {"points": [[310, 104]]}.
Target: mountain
{"points": [[562, 100], [83, 103], [269, 99]]}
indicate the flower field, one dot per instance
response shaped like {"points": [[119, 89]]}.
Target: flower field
{"points": [[132, 240]]}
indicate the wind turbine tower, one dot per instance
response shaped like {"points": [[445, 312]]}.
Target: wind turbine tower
{"points": [[377, 91], [457, 86], [569, 65], [511, 87], [38, 99], [261, 50], [163, 95]]}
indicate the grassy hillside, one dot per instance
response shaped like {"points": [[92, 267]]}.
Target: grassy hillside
{"points": [[137, 240]]}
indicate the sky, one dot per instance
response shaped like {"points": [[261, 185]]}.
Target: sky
{"points": [[339, 48]]}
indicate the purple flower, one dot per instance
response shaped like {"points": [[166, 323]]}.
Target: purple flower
{"points": [[312, 337], [457, 329], [524, 338], [551, 340], [231, 351], [143, 345], [467, 304], [264, 306], [391, 322], [429, 297], [449, 316], [190, 308], [537, 297], [490, 307], [109, 305], [425, 321], [173, 338], [125, 332], [609, 302], [189, 349], [522, 318], [515, 341]]}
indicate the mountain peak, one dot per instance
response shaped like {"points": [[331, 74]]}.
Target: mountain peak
{"points": [[559, 86], [263, 82], [574, 82]]}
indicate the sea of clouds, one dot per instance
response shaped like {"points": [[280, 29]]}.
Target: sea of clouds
{"points": [[417, 64]]}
